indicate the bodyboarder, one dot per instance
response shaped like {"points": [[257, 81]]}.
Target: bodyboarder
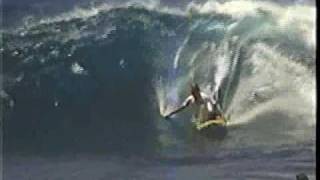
{"points": [[206, 107]]}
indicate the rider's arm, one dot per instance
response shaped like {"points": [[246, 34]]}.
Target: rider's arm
{"points": [[185, 104]]}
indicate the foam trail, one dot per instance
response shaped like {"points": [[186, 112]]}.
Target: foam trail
{"points": [[222, 62], [170, 91], [234, 64], [197, 53], [166, 97], [178, 54]]}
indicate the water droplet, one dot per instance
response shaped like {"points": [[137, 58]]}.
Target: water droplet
{"points": [[56, 103], [122, 63], [15, 53], [11, 103], [76, 68]]}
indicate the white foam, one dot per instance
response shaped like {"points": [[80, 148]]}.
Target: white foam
{"points": [[94, 10], [179, 51], [283, 78], [76, 68], [301, 18]]}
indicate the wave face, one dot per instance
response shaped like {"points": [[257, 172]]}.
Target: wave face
{"points": [[87, 79], [95, 80]]}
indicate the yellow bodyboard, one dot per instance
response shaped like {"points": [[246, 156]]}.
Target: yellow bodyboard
{"points": [[214, 122]]}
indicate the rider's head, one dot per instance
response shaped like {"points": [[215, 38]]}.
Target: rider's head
{"points": [[195, 90]]}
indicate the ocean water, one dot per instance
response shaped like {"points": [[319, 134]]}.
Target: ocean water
{"points": [[85, 85]]}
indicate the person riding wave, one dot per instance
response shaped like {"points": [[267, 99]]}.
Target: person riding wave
{"points": [[206, 107]]}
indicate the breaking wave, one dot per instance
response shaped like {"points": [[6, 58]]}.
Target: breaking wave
{"points": [[101, 76]]}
